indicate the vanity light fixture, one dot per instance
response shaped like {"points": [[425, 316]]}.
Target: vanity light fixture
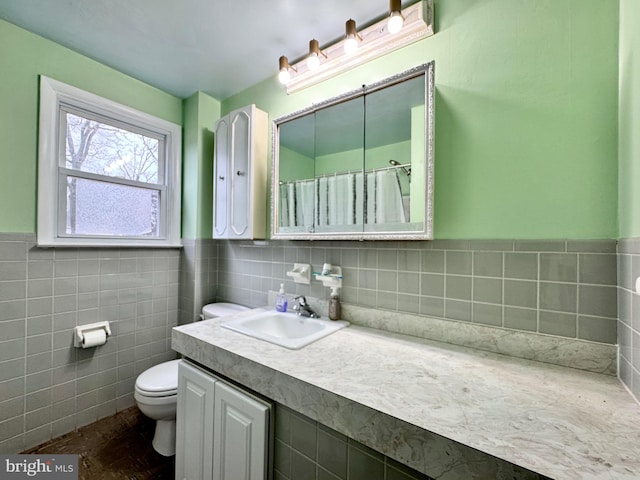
{"points": [[395, 20], [313, 59], [351, 37], [412, 23], [285, 75]]}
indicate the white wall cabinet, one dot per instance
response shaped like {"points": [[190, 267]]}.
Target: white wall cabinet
{"points": [[240, 174], [222, 432]]}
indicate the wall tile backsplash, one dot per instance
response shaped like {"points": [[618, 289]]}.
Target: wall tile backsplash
{"points": [[629, 314], [48, 387], [563, 288]]}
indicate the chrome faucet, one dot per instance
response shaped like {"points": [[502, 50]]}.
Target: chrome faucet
{"points": [[302, 308]]}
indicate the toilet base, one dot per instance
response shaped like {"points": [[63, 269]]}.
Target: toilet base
{"points": [[164, 440]]}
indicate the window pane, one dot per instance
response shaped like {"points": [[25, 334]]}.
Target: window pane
{"points": [[96, 147], [102, 208]]}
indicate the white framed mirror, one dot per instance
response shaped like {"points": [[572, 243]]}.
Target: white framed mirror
{"points": [[358, 166]]}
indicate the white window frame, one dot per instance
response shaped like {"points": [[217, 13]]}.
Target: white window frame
{"points": [[54, 97]]}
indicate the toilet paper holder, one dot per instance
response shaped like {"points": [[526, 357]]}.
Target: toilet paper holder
{"points": [[79, 331]]}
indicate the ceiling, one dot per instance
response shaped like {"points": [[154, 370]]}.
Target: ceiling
{"points": [[215, 46]]}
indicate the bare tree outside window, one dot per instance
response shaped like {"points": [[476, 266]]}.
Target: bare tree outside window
{"points": [[97, 206]]}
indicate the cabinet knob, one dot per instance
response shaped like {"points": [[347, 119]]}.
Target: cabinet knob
{"points": [[221, 177], [239, 173]]}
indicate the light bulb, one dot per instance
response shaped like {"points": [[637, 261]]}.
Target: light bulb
{"points": [[350, 45], [284, 76], [394, 24], [313, 61], [350, 37]]}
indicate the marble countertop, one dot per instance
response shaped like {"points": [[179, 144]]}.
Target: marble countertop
{"points": [[448, 411]]}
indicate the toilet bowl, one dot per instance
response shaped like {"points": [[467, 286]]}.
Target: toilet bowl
{"points": [[156, 393], [156, 389]]}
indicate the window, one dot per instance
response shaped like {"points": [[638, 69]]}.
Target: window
{"points": [[108, 175]]}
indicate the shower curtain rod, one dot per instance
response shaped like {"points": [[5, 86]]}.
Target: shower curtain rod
{"points": [[347, 172]]}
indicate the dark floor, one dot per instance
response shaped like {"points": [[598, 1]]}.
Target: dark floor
{"points": [[117, 447]]}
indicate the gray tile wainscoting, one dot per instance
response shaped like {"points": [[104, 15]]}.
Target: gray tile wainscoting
{"points": [[198, 277], [48, 387], [565, 288], [305, 449], [629, 314]]}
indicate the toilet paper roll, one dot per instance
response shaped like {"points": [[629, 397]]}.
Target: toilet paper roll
{"points": [[94, 338]]}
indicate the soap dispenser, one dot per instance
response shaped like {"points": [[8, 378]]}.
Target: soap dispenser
{"points": [[281, 300], [334, 305]]}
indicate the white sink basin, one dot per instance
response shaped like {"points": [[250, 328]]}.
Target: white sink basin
{"points": [[284, 329]]}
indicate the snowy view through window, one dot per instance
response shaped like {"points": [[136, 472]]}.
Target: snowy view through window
{"points": [[118, 192]]}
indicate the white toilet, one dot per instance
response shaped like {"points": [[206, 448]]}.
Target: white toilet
{"points": [[156, 390]]}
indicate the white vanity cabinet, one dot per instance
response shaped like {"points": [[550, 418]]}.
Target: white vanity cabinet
{"points": [[240, 174], [222, 432], [194, 423]]}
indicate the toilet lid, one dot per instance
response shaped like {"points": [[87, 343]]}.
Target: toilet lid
{"points": [[159, 380], [221, 309]]}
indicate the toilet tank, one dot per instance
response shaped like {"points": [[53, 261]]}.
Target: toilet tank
{"points": [[215, 310]]}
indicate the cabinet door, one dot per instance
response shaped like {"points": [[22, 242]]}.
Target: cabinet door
{"points": [[221, 179], [241, 157], [240, 435], [194, 420]]}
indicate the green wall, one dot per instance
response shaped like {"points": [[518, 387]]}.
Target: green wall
{"points": [[526, 118], [24, 56], [526, 115], [295, 166], [629, 120], [200, 114]]}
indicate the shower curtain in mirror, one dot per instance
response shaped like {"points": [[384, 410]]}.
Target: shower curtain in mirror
{"points": [[343, 199]]}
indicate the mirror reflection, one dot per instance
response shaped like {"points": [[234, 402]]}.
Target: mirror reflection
{"points": [[358, 166]]}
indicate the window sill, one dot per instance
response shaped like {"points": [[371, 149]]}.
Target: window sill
{"points": [[114, 243]]}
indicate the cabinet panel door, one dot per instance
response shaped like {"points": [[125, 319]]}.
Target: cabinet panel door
{"points": [[240, 435], [194, 418], [221, 179], [241, 138]]}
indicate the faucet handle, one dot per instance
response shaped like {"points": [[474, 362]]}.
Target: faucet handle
{"points": [[302, 301]]}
